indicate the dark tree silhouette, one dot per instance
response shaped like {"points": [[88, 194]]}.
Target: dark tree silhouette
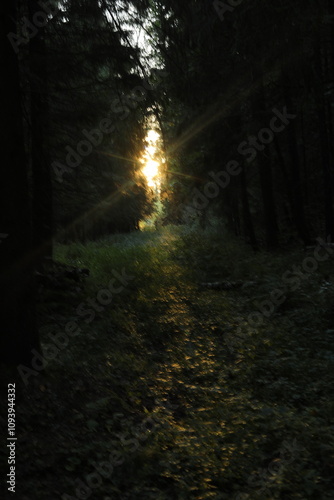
{"points": [[18, 322]]}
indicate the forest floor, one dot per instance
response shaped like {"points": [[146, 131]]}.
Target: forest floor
{"points": [[173, 390]]}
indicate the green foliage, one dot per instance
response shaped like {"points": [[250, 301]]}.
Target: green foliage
{"points": [[224, 80], [93, 73], [230, 409]]}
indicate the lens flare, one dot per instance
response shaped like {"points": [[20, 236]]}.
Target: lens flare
{"points": [[151, 171], [151, 166]]}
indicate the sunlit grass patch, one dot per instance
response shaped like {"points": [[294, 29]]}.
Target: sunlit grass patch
{"points": [[105, 257]]}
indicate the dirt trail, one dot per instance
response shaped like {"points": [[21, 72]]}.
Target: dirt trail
{"points": [[187, 325], [160, 388]]}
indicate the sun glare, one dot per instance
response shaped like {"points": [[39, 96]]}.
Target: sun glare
{"points": [[151, 171], [151, 166]]}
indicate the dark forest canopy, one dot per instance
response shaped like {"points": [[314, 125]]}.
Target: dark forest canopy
{"points": [[242, 96], [197, 357], [233, 73]]}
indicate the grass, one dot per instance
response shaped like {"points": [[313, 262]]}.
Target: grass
{"points": [[198, 402]]}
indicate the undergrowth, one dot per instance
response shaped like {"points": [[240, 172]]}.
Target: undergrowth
{"points": [[236, 410]]}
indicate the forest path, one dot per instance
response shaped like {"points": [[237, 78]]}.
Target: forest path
{"points": [[168, 394], [187, 374]]}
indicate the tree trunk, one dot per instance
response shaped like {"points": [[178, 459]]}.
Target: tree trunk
{"points": [[231, 209], [41, 176], [247, 216], [18, 320], [265, 171], [325, 125], [296, 186]]}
